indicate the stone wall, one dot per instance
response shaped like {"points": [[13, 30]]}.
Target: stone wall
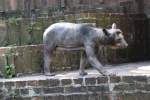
{"points": [[76, 88], [28, 60], [20, 58], [20, 31], [27, 7], [134, 27], [25, 23]]}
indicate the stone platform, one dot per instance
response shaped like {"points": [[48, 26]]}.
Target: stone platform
{"points": [[132, 82]]}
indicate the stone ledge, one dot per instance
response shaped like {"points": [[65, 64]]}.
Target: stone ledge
{"points": [[69, 86], [131, 79]]}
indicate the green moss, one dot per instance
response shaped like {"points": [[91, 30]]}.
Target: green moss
{"points": [[14, 20], [9, 68]]}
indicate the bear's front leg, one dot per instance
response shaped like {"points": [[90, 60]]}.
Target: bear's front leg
{"points": [[89, 48]]}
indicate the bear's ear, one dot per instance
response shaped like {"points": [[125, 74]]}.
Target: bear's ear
{"points": [[106, 32], [114, 26]]}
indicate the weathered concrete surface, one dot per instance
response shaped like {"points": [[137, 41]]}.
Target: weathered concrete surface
{"points": [[126, 69]]}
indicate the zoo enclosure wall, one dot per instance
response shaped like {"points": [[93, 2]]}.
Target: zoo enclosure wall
{"points": [[22, 22]]}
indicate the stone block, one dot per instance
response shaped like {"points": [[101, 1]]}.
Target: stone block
{"points": [[115, 79], [100, 88], [26, 62], [80, 96], [1, 84], [43, 83], [33, 83], [2, 94], [133, 96], [53, 90], [24, 92], [66, 82], [101, 80], [54, 82], [142, 87], [104, 96], [9, 85], [37, 98], [37, 32], [75, 89], [23, 98], [25, 35], [20, 84], [134, 79], [37, 91], [124, 87], [78, 81], [90, 81], [57, 97]]}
